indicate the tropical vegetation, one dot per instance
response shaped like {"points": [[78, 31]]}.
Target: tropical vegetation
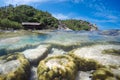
{"points": [[11, 17], [77, 24]]}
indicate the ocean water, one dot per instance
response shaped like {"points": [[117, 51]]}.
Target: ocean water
{"points": [[59, 38]]}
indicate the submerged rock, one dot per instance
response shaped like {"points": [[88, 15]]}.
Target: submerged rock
{"points": [[37, 54], [82, 75], [95, 53], [14, 67], [10, 40], [9, 66], [105, 66], [57, 68], [84, 64], [56, 51]]}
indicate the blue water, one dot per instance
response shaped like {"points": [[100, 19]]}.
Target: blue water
{"points": [[59, 37]]}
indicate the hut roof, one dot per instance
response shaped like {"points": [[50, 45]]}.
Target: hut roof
{"points": [[30, 23]]}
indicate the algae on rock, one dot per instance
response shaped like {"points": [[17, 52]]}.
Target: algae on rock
{"points": [[85, 64], [103, 74], [20, 72], [112, 51], [57, 68], [95, 53]]}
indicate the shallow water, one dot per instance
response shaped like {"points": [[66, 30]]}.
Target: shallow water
{"points": [[18, 44], [64, 38], [90, 42]]}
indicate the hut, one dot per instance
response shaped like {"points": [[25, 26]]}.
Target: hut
{"points": [[32, 25]]}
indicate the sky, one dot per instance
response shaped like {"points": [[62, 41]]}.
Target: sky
{"points": [[104, 13]]}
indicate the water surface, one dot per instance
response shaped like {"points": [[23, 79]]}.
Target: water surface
{"points": [[64, 38]]}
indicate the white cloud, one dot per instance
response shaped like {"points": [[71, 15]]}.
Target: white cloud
{"points": [[102, 11], [77, 1], [18, 2], [93, 20], [14, 2], [60, 16], [108, 15], [112, 17]]}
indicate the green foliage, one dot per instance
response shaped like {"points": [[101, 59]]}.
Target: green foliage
{"points": [[25, 13], [77, 24], [7, 24]]}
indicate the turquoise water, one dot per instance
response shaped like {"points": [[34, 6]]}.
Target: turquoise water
{"points": [[20, 43], [66, 38]]}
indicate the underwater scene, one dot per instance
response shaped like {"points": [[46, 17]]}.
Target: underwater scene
{"points": [[60, 55]]}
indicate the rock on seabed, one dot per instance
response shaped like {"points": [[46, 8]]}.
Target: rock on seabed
{"points": [[37, 54], [95, 52], [104, 66], [57, 68], [14, 67]]}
